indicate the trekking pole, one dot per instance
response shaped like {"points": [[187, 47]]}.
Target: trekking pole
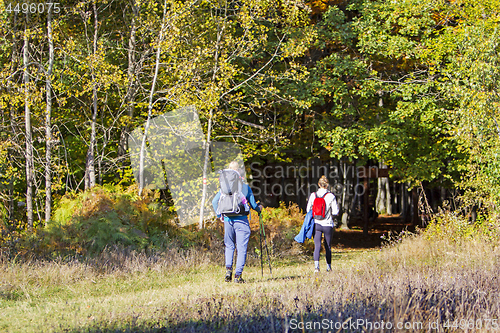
{"points": [[265, 243], [261, 262]]}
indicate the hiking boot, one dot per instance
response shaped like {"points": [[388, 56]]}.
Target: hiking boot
{"points": [[229, 275], [238, 279]]}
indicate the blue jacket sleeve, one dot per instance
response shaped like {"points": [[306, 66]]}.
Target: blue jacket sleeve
{"points": [[251, 199], [215, 203]]}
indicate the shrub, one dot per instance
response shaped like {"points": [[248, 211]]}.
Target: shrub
{"points": [[281, 225], [110, 216], [453, 226], [87, 222]]}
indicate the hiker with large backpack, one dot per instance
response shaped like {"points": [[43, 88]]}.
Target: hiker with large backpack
{"points": [[232, 205], [324, 206]]}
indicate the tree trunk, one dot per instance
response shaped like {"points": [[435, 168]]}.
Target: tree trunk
{"points": [[150, 104], [48, 124], [29, 139], [388, 196], [131, 62], [205, 170], [443, 195], [90, 179], [383, 203], [131, 91], [366, 202], [406, 201], [209, 133], [12, 111]]}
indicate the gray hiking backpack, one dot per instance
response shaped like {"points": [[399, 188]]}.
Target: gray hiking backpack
{"points": [[232, 202]]}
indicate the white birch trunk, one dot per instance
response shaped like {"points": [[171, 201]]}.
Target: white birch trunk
{"points": [[90, 170], [150, 103], [48, 124], [209, 132], [29, 139]]}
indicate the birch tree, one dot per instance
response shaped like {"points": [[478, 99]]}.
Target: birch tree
{"points": [[132, 69], [30, 172], [150, 101], [203, 60], [90, 177], [251, 40], [48, 122]]}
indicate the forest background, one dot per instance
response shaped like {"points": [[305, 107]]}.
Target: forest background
{"points": [[410, 84]]}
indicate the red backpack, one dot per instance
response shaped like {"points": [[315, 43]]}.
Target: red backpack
{"points": [[319, 207]]}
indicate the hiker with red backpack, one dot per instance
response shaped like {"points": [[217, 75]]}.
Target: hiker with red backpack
{"points": [[324, 206], [232, 206]]}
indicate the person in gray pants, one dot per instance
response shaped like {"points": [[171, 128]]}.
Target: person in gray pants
{"points": [[236, 232]]}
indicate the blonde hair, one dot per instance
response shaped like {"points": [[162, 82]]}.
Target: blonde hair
{"points": [[323, 182], [234, 165]]}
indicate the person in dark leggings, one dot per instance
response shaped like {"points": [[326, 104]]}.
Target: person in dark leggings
{"points": [[320, 230], [323, 226]]}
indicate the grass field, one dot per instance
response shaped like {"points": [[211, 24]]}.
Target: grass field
{"points": [[415, 285]]}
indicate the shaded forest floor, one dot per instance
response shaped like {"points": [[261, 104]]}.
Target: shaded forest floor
{"points": [[352, 239]]}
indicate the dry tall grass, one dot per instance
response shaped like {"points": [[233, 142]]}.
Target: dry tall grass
{"points": [[417, 286], [424, 283]]}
